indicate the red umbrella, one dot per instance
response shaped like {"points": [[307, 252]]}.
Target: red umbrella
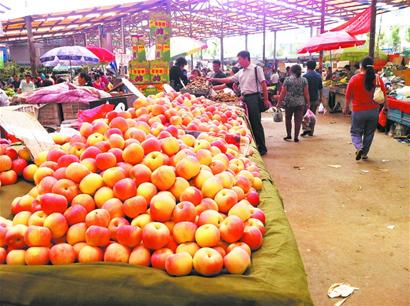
{"points": [[330, 41], [104, 55]]}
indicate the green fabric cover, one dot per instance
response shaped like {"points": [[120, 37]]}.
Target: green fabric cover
{"points": [[276, 276]]}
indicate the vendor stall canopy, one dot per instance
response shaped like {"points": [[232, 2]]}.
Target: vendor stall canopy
{"points": [[193, 18]]}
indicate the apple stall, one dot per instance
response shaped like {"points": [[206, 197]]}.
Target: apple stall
{"points": [[165, 203]]}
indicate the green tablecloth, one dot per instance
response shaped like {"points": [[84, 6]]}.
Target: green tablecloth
{"points": [[276, 277]]}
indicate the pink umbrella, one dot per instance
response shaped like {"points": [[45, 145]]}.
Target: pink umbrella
{"points": [[330, 41], [104, 55]]}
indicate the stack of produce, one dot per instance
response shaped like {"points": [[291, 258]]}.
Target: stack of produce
{"points": [[135, 188], [12, 163], [198, 87], [224, 97]]}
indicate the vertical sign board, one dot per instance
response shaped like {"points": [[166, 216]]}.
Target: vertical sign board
{"points": [[160, 31]]}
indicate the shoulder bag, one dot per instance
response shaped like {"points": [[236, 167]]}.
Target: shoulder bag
{"points": [[262, 106], [378, 94]]}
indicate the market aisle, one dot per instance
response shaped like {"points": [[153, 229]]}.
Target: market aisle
{"points": [[351, 223]]}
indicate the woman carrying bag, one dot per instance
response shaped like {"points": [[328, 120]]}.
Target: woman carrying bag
{"points": [[366, 92], [295, 97]]}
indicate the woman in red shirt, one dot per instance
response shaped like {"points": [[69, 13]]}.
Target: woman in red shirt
{"points": [[98, 83], [365, 112]]}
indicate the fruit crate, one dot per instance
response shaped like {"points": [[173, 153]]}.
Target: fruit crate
{"points": [[50, 114], [70, 110]]}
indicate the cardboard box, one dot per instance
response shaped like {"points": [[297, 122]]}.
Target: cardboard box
{"points": [[25, 127], [70, 110], [50, 114]]}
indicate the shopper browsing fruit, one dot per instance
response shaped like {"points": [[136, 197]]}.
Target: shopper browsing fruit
{"points": [[295, 97], [26, 85], [251, 82], [177, 77], [218, 74]]}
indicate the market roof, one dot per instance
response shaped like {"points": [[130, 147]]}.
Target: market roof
{"points": [[196, 18]]}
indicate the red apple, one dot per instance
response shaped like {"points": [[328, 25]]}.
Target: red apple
{"points": [[18, 166], [51, 202], [62, 254], [208, 262], [155, 235]]}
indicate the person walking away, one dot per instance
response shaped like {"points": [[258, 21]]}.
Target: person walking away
{"points": [[274, 79], [365, 112], [218, 74], [27, 85], [251, 82], [295, 97], [177, 77], [315, 92]]}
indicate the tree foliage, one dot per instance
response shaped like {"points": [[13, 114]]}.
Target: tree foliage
{"points": [[395, 37]]}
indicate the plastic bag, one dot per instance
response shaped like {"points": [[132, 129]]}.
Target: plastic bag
{"points": [[309, 121], [382, 118], [321, 109], [277, 115], [89, 115]]}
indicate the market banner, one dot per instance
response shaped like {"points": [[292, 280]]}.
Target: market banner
{"points": [[359, 24]]}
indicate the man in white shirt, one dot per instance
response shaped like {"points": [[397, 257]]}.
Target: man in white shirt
{"points": [[251, 82], [27, 85]]}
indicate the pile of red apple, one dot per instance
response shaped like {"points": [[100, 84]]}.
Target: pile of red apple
{"points": [[137, 188], [12, 163]]}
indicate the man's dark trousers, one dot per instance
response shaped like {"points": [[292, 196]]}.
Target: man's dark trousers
{"points": [[254, 116]]}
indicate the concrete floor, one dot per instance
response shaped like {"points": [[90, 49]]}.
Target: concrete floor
{"points": [[341, 216]]}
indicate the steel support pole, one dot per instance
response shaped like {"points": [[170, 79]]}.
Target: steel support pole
{"points": [[222, 51], [123, 47], [246, 42], [85, 39], [372, 38], [274, 49], [322, 29], [222, 45], [100, 35], [190, 34], [264, 32], [31, 47]]}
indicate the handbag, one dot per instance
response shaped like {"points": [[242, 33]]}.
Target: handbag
{"points": [[378, 94], [277, 115], [261, 104]]}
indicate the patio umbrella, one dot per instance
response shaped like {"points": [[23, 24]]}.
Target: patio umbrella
{"points": [[104, 55], [68, 56], [330, 41], [183, 46]]}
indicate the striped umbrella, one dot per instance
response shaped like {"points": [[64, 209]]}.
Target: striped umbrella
{"points": [[69, 56]]}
